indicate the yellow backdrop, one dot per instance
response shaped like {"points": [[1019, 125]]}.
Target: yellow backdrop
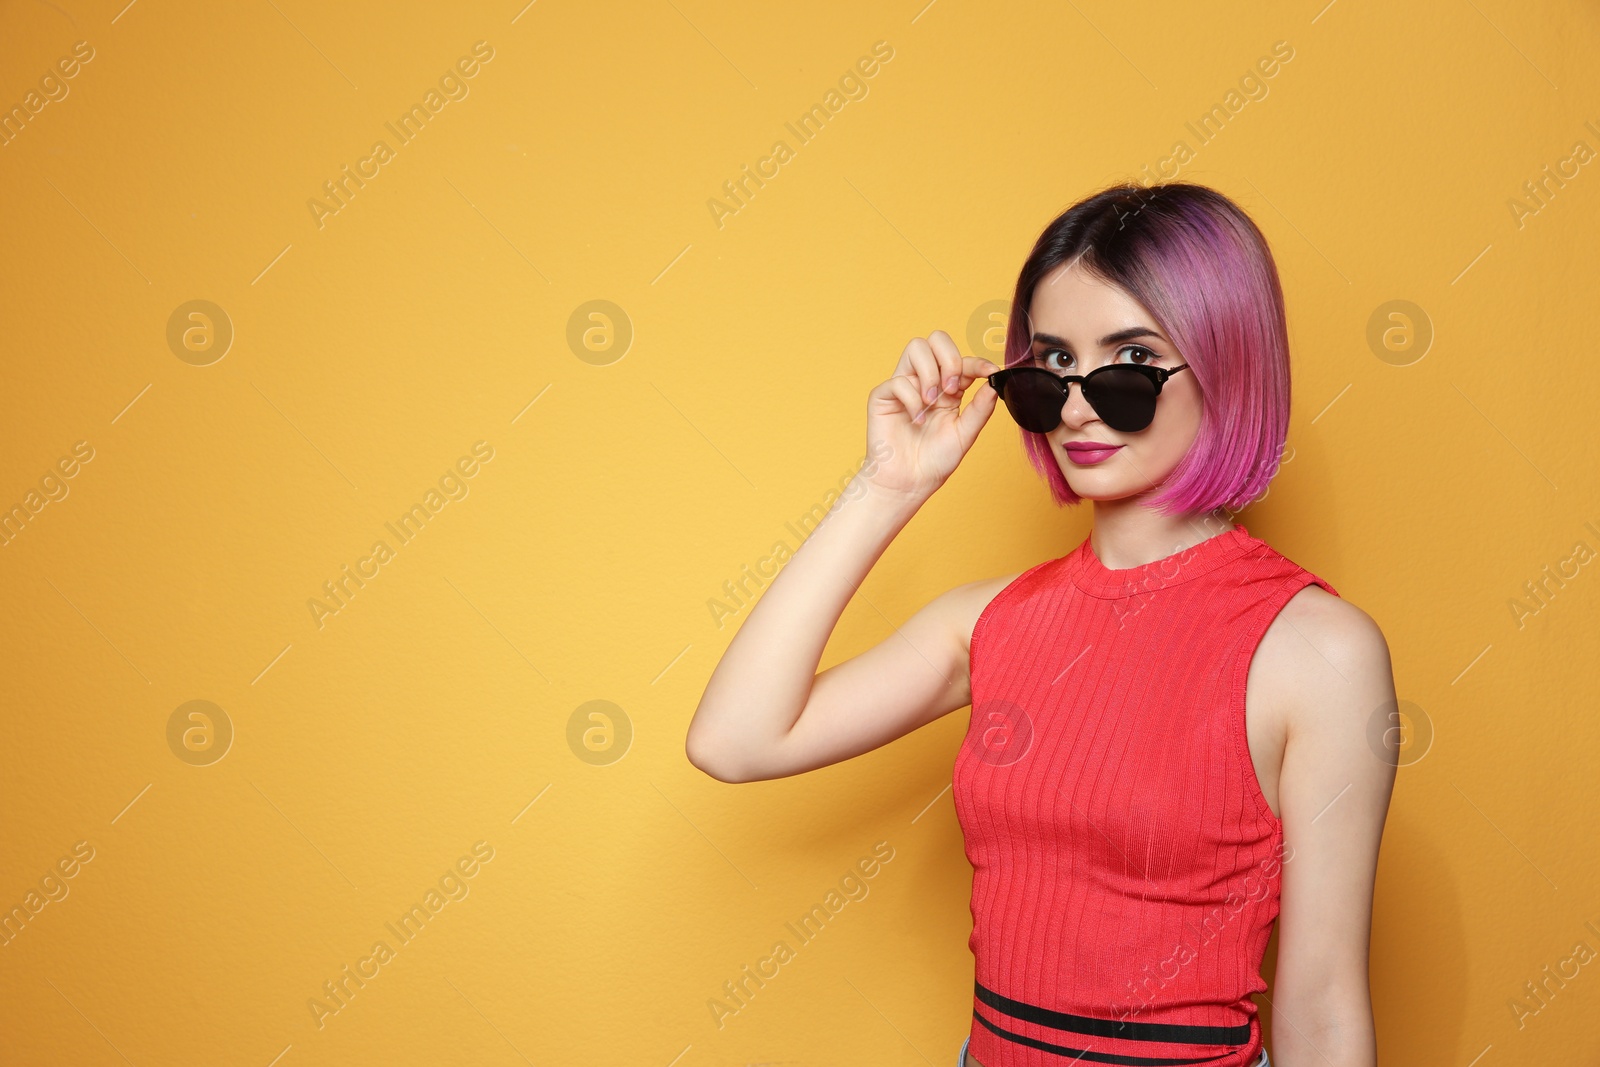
{"points": [[396, 399]]}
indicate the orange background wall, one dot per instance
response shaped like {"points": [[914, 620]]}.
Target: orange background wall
{"points": [[590, 475]]}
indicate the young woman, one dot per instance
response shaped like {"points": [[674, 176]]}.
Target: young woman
{"points": [[1172, 738]]}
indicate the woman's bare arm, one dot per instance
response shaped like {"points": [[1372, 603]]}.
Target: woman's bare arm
{"points": [[766, 713], [1334, 788]]}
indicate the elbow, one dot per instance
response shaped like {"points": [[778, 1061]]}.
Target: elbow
{"points": [[709, 758]]}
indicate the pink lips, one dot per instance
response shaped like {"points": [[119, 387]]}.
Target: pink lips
{"points": [[1086, 453]]}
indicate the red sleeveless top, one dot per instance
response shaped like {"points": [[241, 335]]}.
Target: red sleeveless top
{"points": [[1125, 864]]}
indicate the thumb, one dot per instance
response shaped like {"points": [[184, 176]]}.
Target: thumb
{"points": [[977, 412]]}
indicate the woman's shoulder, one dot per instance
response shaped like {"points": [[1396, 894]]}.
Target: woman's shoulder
{"points": [[1331, 626], [1317, 609], [963, 605], [1321, 638]]}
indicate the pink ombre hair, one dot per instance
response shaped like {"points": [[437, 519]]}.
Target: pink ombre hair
{"points": [[1202, 269]]}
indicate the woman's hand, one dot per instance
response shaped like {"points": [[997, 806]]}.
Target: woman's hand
{"points": [[766, 712], [918, 415]]}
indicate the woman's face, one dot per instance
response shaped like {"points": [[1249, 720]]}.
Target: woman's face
{"points": [[1079, 323]]}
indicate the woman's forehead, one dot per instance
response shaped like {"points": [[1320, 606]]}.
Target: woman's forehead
{"points": [[1084, 312]]}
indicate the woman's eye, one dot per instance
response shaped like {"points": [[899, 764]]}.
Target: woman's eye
{"points": [[1059, 359]]}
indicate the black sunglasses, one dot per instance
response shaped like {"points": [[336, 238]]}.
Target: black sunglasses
{"points": [[1122, 394]]}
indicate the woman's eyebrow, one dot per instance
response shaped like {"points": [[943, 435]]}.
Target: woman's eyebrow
{"points": [[1109, 339]]}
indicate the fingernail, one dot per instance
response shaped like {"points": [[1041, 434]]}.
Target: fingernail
{"points": [[950, 383], [930, 393]]}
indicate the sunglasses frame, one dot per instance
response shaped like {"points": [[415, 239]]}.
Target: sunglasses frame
{"points": [[1157, 375]]}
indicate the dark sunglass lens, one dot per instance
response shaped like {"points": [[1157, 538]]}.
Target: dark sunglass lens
{"points": [[1034, 399], [1124, 397]]}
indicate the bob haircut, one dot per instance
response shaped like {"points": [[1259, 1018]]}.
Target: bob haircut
{"points": [[1202, 269]]}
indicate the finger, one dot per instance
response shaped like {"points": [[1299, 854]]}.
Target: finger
{"points": [[913, 352], [904, 389], [927, 368], [898, 392], [893, 395], [976, 414], [974, 371], [881, 391], [949, 356], [973, 368], [904, 365]]}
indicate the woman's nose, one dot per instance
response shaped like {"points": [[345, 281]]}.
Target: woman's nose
{"points": [[1075, 409]]}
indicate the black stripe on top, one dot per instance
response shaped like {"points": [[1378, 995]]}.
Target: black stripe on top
{"points": [[1085, 1055], [1132, 1031]]}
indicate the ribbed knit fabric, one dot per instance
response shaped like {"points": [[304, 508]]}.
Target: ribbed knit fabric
{"points": [[1126, 866]]}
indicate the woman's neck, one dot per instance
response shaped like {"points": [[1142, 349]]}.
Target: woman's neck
{"points": [[1128, 534]]}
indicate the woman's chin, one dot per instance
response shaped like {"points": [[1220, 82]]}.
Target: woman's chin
{"points": [[1090, 487]]}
